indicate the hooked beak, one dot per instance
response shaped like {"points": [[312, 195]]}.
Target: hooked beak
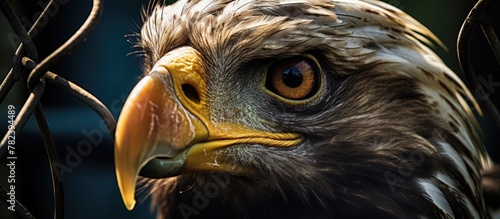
{"points": [[165, 127]]}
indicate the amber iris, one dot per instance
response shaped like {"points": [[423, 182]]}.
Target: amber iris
{"points": [[294, 78]]}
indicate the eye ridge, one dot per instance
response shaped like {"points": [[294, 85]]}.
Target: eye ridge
{"points": [[294, 78]]}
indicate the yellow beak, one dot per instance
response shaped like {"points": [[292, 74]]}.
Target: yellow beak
{"points": [[165, 126]]}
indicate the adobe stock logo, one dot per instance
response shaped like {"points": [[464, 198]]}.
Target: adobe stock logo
{"points": [[486, 87], [73, 155]]}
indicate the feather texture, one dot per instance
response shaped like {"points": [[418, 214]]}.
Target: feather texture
{"points": [[393, 135]]}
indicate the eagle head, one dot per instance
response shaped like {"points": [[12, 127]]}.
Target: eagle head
{"points": [[297, 109]]}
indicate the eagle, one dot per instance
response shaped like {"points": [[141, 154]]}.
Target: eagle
{"points": [[299, 109]]}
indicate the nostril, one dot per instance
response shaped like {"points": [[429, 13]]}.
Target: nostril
{"points": [[191, 93]]}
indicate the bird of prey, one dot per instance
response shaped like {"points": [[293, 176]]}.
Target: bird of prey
{"points": [[299, 109]]}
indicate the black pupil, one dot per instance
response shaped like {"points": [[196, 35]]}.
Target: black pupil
{"points": [[292, 77]]}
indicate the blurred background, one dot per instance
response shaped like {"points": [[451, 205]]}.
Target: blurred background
{"points": [[102, 67]]}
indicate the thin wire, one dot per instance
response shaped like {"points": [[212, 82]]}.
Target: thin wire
{"points": [[471, 21], [15, 73], [51, 149], [15, 23], [20, 209], [491, 36], [80, 94], [20, 121], [71, 44], [36, 84], [23, 116]]}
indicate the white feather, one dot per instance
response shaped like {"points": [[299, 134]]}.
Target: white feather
{"points": [[436, 196]]}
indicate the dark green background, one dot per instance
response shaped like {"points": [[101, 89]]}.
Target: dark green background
{"points": [[102, 67]]}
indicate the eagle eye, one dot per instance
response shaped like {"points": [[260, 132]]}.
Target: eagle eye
{"points": [[293, 78]]}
